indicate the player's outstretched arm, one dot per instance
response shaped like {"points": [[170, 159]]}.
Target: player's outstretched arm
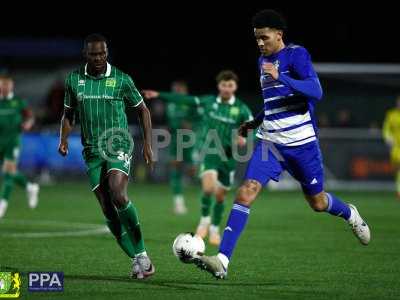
{"points": [[145, 122], [67, 122], [172, 97]]}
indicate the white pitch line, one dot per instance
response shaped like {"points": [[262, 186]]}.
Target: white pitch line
{"points": [[49, 223], [100, 230], [95, 229]]}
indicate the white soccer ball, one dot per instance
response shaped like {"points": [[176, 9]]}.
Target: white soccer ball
{"points": [[188, 246]]}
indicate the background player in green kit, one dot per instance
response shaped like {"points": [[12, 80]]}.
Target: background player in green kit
{"points": [[223, 114], [15, 116], [99, 93], [181, 116]]}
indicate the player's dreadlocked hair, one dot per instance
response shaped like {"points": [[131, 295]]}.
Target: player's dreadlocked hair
{"points": [[269, 18], [94, 37], [226, 75]]}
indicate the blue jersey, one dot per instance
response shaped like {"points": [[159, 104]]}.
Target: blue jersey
{"points": [[288, 117]]}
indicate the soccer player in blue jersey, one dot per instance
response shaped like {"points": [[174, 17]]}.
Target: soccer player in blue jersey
{"points": [[287, 138]]}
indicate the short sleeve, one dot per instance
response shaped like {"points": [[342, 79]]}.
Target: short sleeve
{"points": [[247, 115], [69, 96], [132, 97]]}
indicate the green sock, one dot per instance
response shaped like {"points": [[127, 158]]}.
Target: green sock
{"points": [[206, 201], [217, 213], [8, 185], [123, 240], [129, 219], [175, 181], [20, 179]]}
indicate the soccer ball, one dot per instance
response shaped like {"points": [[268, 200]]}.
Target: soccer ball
{"points": [[188, 246]]}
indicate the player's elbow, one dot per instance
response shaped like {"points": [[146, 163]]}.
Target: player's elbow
{"points": [[143, 109], [318, 91]]}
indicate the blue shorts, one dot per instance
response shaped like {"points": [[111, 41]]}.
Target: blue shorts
{"points": [[303, 162]]}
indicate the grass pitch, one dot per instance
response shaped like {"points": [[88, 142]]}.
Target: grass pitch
{"points": [[286, 252]]}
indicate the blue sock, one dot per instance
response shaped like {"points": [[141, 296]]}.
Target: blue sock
{"points": [[337, 207], [234, 227]]}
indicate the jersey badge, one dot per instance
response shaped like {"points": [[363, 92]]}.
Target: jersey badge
{"points": [[111, 82]]}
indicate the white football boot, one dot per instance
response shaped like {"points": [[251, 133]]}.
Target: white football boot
{"points": [[359, 226], [32, 191], [213, 265], [3, 207], [179, 205], [142, 267], [136, 271]]}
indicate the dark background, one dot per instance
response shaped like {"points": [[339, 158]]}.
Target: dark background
{"points": [[40, 43], [193, 41]]}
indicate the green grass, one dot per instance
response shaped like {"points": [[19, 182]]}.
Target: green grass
{"points": [[286, 252]]}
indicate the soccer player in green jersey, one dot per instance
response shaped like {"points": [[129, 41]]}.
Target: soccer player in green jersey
{"points": [[223, 115], [15, 117], [187, 117], [99, 93]]}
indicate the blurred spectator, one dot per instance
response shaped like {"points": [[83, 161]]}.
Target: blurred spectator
{"points": [[54, 103]]}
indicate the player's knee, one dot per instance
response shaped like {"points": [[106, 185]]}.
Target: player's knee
{"points": [[119, 199], [209, 184], [220, 196], [118, 196], [248, 192]]}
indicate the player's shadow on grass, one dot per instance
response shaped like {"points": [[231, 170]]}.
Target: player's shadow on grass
{"points": [[170, 284]]}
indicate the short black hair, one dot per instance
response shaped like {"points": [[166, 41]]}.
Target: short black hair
{"points": [[269, 18], [227, 75], [94, 37]]}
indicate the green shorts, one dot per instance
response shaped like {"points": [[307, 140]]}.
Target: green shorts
{"points": [[188, 154], [10, 150], [98, 166], [225, 169]]}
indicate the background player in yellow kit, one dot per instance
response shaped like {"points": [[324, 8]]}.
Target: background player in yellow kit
{"points": [[391, 135]]}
